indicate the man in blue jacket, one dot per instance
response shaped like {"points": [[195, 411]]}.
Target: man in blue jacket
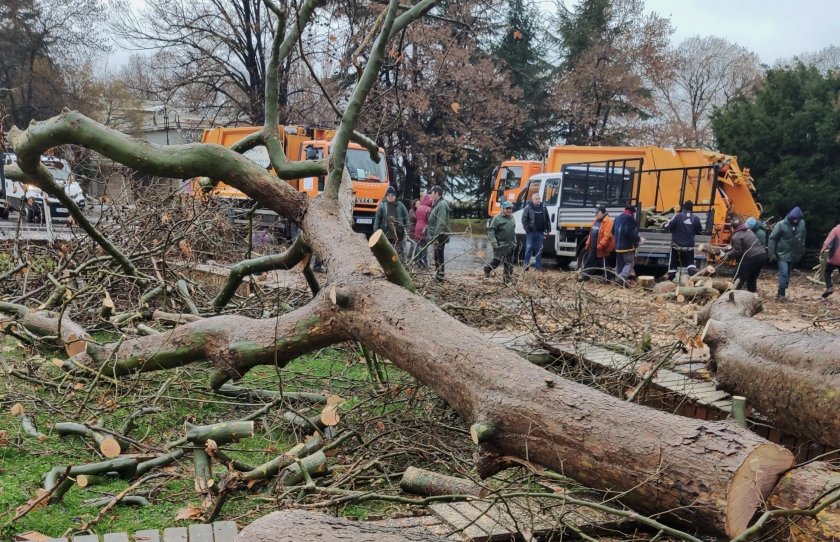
{"points": [[684, 226], [627, 240]]}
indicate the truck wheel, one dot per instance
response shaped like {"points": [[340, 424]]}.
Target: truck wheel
{"points": [[4, 213]]}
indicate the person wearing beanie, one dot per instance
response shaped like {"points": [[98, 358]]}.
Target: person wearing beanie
{"points": [[757, 226], [748, 253], [502, 235], [626, 233], [392, 218], [683, 227], [786, 245], [831, 252]]}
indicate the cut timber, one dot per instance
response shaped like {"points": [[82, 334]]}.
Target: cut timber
{"points": [[221, 433], [664, 287], [806, 487], [792, 378], [72, 337], [646, 281], [108, 445], [297, 525], [427, 483], [713, 474]]}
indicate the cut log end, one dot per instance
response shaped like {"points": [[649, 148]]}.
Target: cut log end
{"points": [[110, 447], [752, 484], [375, 238], [339, 297], [646, 281], [75, 346], [482, 431]]}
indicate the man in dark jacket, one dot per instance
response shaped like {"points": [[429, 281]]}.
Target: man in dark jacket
{"points": [[502, 235], [536, 223], [683, 227], [748, 253], [786, 247], [392, 218], [627, 240]]}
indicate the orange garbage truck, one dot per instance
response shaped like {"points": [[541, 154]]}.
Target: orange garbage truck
{"points": [[655, 179], [369, 178]]}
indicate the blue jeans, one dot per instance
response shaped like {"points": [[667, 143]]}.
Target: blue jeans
{"points": [[533, 245], [784, 274]]}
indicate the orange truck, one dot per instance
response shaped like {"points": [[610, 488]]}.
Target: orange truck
{"points": [[577, 178], [369, 178]]}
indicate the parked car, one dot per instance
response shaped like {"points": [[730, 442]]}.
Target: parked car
{"points": [[28, 199]]}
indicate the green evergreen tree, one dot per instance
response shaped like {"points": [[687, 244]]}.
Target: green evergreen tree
{"points": [[522, 53], [788, 133]]}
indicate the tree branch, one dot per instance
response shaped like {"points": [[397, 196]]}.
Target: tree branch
{"points": [[354, 107]]}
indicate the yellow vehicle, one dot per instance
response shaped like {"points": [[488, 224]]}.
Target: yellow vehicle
{"points": [[369, 178], [667, 177]]}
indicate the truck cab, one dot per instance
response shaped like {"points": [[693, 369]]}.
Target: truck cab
{"points": [[572, 195], [508, 180]]}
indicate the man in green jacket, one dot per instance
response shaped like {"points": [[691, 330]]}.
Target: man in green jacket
{"points": [[392, 218], [502, 235], [786, 245], [437, 230]]}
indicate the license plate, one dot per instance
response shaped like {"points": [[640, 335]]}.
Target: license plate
{"points": [[364, 221], [61, 210]]}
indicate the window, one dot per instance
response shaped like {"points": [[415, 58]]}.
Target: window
{"points": [[551, 191], [512, 177], [362, 168], [587, 186]]}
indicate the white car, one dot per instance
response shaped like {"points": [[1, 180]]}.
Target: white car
{"points": [[29, 199]]}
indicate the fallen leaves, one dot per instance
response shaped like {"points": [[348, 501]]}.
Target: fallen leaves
{"points": [[17, 410], [188, 512]]}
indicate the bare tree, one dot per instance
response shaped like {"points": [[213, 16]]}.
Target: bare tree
{"points": [[43, 45], [611, 52], [712, 475], [707, 74]]}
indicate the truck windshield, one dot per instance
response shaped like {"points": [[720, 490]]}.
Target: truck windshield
{"points": [[362, 168]]}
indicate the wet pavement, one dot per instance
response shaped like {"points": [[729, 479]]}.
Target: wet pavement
{"points": [[466, 252]]}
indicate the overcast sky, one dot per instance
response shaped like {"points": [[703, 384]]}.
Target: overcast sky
{"points": [[773, 29]]}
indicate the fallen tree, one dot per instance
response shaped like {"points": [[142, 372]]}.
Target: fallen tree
{"points": [[713, 476], [792, 378]]}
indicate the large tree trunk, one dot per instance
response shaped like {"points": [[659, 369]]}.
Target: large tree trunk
{"points": [[793, 378], [806, 488]]}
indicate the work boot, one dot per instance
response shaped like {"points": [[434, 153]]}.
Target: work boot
{"points": [[780, 295], [827, 293], [487, 272]]}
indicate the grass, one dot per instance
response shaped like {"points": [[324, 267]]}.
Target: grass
{"points": [[476, 226], [24, 459]]}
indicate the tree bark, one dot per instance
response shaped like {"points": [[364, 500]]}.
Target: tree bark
{"points": [[72, 337], [427, 483], [793, 378], [804, 488]]}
